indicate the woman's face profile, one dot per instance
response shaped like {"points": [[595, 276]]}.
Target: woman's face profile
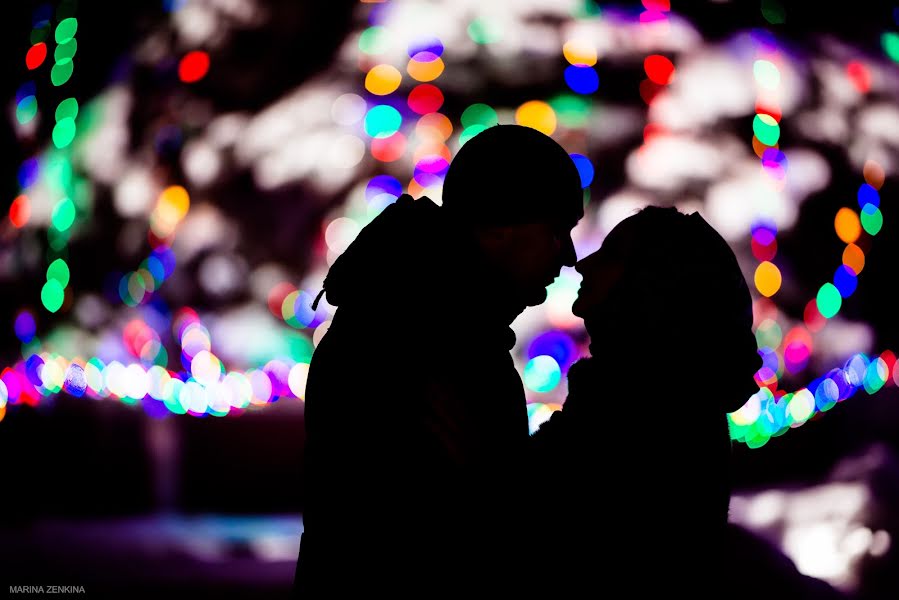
{"points": [[603, 271]]}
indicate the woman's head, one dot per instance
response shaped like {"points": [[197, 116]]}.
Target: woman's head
{"points": [[668, 284]]}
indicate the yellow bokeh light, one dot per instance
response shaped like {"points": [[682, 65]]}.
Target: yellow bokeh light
{"points": [[171, 208], [847, 225], [802, 405], [176, 198], [537, 115], [767, 279], [854, 258], [425, 71], [579, 52], [383, 79], [173, 204]]}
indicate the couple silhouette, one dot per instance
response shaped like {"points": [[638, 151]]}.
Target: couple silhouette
{"points": [[421, 477]]}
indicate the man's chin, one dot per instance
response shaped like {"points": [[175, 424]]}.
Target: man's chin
{"points": [[535, 297]]}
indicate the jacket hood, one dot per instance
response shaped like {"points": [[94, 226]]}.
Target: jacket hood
{"points": [[404, 246]]}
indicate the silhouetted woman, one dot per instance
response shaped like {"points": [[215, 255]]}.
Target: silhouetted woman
{"points": [[636, 465], [635, 469]]}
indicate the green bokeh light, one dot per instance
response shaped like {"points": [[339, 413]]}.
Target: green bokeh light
{"points": [[890, 43], [64, 132], [299, 347], [485, 31], [876, 375], [766, 129], [66, 30], [59, 271], [572, 110], [585, 9], [67, 109], [829, 300], [768, 334], [58, 239], [63, 215], [52, 295], [67, 50], [374, 40], [872, 219], [470, 132], [479, 114], [61, 71], [774, 12]]}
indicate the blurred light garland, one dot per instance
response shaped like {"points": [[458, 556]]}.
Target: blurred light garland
{"points": [[394, 125], [771, 412]]}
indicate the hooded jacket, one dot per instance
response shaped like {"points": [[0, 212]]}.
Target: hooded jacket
{"points": [[416, 425]]}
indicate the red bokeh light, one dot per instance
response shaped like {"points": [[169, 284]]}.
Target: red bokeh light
{"points": [[193, 66], [425, 98], [859, 75], [20, 211], [390, 148], [659, 69], [35, 56]]}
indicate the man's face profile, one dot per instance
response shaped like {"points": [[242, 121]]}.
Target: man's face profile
{"points": [[530, 255]]}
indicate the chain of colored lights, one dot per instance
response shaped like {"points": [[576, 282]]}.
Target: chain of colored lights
{"points": [[771, 412], [767, 277], [204, 388], [658, 68], [58, 169]]}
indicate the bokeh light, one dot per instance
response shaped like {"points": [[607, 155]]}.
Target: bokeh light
{"points": [[872, 219], [20, 211], [25, 326], [767, 279], [382, 121], [193, 66], [584, 169], [61, 72], [52, 295], [829, 300], [425, 66], [582, 79], [542, 373], [847, 225], [845, 280], [425, 98], [383, 79], [580, 52], [36, 55], [538, 115], [854, 258], [659, 69], [766, 129]]}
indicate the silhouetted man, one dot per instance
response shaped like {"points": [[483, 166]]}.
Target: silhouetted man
{"points": [[416, 425]]}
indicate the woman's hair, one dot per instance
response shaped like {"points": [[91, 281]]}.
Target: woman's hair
{"points": [[686, 292]]}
